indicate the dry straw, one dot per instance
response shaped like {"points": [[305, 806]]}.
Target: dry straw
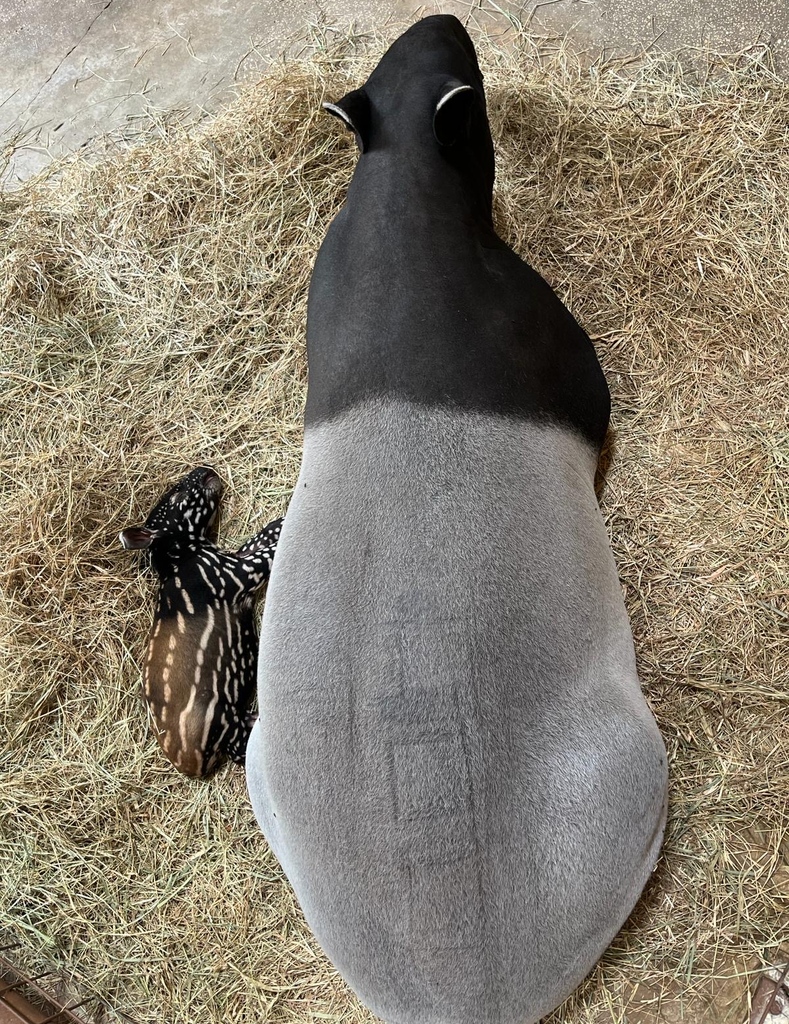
{"points": [[153, 317]]}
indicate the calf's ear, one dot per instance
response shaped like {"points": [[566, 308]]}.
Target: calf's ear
{"points": [[135, 537], [354, 110], [451, 116]]}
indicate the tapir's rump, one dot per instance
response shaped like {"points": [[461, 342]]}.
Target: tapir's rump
{"points": [[454, 762]]}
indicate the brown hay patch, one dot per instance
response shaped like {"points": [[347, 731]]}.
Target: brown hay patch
{"points": [[152, 318]]}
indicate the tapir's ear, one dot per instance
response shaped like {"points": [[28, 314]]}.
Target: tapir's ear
{"points": [[354, 110], [450, 120], [135, 537]]}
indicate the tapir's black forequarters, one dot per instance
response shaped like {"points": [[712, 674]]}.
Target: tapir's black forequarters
{"points": [[413, 293], [199, 675], [454, 762]]}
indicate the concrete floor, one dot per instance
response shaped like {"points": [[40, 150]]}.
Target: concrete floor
{"points": [[72, 70]]}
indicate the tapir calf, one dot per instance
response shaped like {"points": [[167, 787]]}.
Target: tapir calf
{"points": [[199, 674], [454, 762]]}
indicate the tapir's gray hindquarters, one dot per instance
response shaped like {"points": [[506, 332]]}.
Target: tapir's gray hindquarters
{"points": [[454, 763]]}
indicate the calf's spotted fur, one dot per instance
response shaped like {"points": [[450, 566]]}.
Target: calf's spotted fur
{"points": [[199, 675]]}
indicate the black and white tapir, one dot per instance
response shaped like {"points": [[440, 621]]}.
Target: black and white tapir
{"points": [[454, 762], [199, 675]]}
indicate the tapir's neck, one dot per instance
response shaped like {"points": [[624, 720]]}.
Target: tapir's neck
{"points": [[414, 193]]}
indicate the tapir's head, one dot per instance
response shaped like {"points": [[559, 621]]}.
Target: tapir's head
{"points": [[182, 516], [425, 98]]}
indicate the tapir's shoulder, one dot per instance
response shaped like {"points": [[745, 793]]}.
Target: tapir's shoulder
{"points": [[524, 287]]}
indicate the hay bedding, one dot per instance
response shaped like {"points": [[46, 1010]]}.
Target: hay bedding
{"points": [[153, 317]]}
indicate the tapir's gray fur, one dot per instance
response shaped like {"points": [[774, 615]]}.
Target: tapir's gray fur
{"points": [[453, 762]]}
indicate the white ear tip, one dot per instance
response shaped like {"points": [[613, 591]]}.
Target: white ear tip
{"points": [[452, 92], [338, 112]]}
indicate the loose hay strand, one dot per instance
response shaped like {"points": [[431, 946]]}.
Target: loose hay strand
{"points": [[153, 311]]}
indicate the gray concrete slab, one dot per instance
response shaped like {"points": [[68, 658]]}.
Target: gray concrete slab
{"points": [[72, 70], [34, 38], [625, 26]]}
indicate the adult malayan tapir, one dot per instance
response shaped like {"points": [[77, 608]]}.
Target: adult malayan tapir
{"points": [[453, 763]]}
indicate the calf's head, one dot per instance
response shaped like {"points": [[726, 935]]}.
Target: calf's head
{"points": [[182, 516]]}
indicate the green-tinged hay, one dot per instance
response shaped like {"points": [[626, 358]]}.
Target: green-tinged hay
{"points": [[153, 311]]}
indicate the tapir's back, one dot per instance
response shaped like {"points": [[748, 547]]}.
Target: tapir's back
{"points": [[453, 762]]}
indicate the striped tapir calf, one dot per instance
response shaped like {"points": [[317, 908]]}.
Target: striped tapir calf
{"points": [[454, 762], [199, 675]]}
